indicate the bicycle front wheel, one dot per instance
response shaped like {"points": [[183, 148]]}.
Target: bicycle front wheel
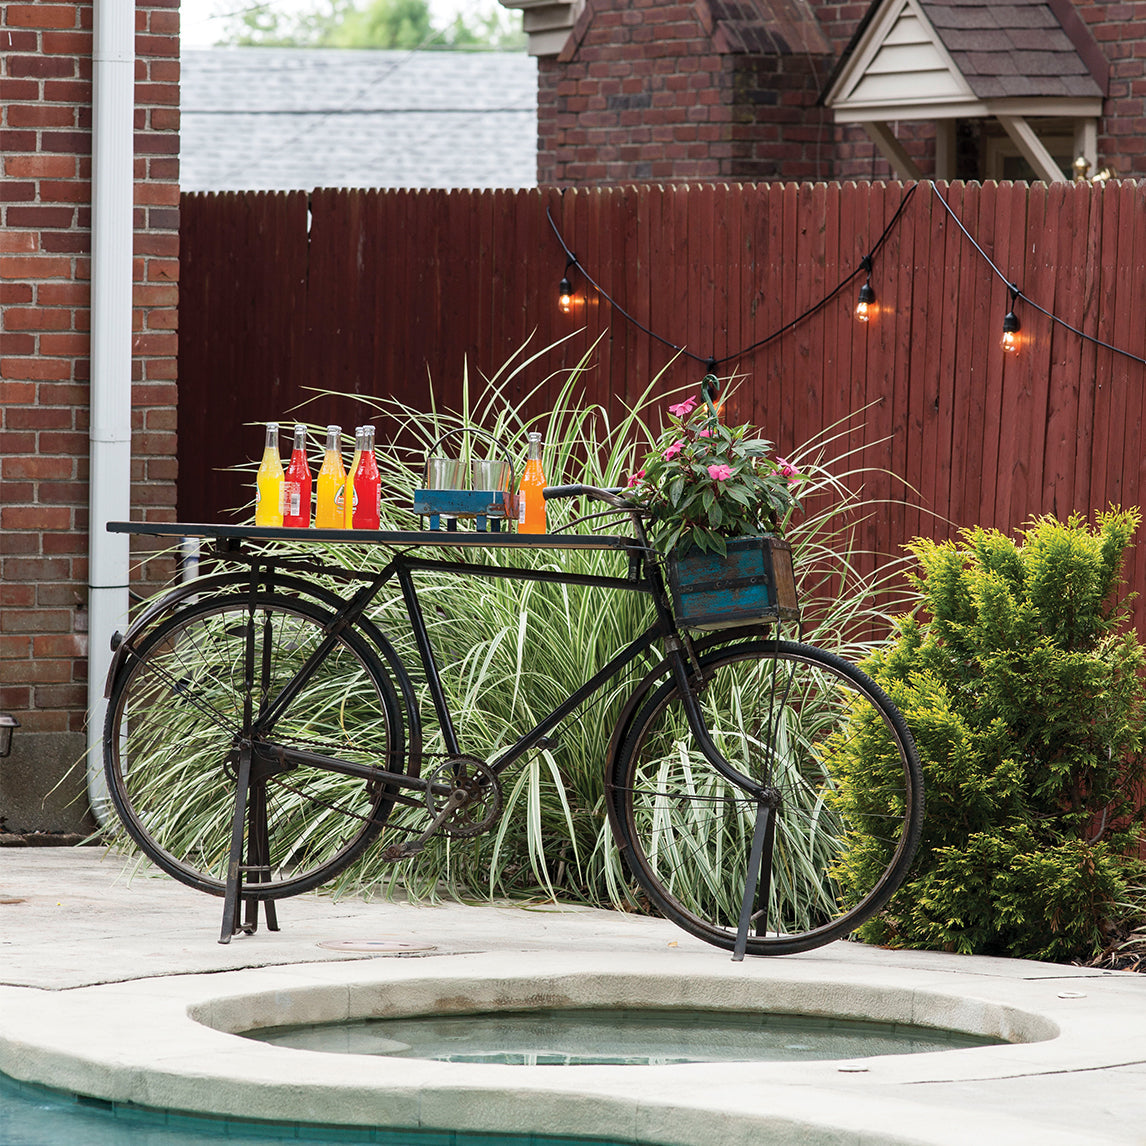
{"points": [[192, 693], [833, 746]]}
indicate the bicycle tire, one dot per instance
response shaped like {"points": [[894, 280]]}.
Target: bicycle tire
{"points": [[178, 710], [846, 830]]}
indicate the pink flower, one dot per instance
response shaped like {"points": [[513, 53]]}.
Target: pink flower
{"points": [[674, 449], [683, 409], [720, 472], [635, 479], [704, 434], [787, 469]]}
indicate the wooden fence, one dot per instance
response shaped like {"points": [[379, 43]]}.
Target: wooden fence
{"points": [[371, 292]]}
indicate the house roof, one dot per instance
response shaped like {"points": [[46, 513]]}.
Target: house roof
{"points": [[959, 52], [296, 119], [1011, 48]]}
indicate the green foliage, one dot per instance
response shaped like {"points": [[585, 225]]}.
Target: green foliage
{"points": [[704, 483], [1024, 693], [387, 24]]}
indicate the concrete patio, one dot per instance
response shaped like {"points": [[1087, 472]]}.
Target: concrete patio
{"points": [[114, 985]]}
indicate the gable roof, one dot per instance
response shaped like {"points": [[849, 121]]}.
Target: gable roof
{"points": [[956, 56], [296, 119], [1011, 48]]}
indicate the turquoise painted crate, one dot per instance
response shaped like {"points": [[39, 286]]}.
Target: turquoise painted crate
{"points": [[755, 582]]}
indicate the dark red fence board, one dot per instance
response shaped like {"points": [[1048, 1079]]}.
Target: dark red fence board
{"points": [[372, 293]]}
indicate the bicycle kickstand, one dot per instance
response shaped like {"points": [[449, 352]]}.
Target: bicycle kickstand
{"points": [[253, 813], [757, 880]]}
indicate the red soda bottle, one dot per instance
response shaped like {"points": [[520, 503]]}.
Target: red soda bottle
{"points": [[296, 484], [367, 486]]}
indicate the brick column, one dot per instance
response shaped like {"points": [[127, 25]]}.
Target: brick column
{"points": [[45, 245]]}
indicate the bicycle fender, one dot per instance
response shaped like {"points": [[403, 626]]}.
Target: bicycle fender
{"points": [[655, 675]]}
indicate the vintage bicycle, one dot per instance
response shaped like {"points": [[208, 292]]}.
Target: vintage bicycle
{"points": [[730, 784]]}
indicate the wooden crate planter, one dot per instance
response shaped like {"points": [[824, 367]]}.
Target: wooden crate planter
{"points": [[755, 582]]}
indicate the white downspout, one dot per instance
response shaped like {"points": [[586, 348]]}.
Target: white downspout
{"points": [[113, 98]]}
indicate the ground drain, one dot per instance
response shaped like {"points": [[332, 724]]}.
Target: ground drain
{"points": [[377, 946]]}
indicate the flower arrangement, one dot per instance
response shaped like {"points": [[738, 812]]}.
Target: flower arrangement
{"points": [[703, 483]]}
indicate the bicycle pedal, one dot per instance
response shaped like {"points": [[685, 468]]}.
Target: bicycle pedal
{"points": [[402, 851]]}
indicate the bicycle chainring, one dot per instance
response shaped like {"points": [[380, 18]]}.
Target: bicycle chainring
{"points": [[482, 789]]}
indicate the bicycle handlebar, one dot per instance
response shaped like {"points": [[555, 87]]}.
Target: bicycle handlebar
{"points": [[609, 496]]}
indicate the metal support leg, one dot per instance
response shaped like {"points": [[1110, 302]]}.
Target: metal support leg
{"points": [[758, 878], [234, 890], [258, 865]]}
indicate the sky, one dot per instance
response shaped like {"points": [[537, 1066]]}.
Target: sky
{"points": [[202, 22]]}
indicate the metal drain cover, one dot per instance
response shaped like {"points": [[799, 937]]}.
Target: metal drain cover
{"points": [[377, 946]]}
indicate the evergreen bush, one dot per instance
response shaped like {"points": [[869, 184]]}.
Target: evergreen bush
{"points": [[1024, 690]]}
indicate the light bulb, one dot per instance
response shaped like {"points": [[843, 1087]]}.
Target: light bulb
{"points": [[565, 296], [866, 301], [1010, 341]]}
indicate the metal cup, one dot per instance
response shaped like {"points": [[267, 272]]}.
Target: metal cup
{"points": [[493, 475], [443, 473]]}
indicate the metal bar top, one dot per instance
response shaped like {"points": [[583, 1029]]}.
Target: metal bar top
{"points": [[469, 539]]}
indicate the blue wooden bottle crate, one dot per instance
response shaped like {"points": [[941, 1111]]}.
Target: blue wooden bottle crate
{"points": [[755, 582], [481, 504]]}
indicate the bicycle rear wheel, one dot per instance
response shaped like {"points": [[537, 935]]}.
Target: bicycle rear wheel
{"points": [[832, 744], [191, 693]]}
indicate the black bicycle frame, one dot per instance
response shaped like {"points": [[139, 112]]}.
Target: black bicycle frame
{"points": [[663, 628]]}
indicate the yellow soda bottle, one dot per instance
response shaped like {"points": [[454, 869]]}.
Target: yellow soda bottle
{"points": [[328, 513], [269, 482], [530, 502], [349, 496]]}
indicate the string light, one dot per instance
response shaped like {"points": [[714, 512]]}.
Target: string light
{"points": [[1011, 325], [867, 294], [711, 362], [565, 288]]}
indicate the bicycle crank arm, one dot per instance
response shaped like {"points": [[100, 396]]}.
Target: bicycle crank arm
{"points": [[456, 799]]}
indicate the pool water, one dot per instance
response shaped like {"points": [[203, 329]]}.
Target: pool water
{"points": [[36, 1116], [645, 1037]]}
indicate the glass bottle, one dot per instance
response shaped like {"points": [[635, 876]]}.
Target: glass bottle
{"points": [[349, 493], [331, 479], [530, 501], [297, 484], [367, 485], [269, 481]]}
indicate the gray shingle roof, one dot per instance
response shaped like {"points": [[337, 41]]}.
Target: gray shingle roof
{"points": [[295, 119], [1011, 48]]}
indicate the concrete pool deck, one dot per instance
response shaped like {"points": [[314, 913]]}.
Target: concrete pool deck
{"points": [[113, 985]]}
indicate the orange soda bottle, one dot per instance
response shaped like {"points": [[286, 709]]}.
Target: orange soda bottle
{"points": [[349, 494], [331, 478], [530, 502]]}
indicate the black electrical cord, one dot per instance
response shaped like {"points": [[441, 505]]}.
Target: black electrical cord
{"points": [[1016, 292], [712, 362], [865, 266]]}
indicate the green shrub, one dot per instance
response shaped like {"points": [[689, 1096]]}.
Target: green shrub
{"points": [[1025, 695]]}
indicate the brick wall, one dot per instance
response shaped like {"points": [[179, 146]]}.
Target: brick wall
{"points": [[645, 91], [651, 91], [1119, 32], [45, 245]]}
